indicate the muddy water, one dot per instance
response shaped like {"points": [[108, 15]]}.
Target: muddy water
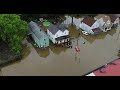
{"points": [[59, 61]]}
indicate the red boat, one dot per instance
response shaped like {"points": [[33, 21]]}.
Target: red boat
{"points": [[77, 49]]}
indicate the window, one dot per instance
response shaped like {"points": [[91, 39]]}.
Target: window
{"points": [[57, 35], [44, 39], [45, 43]]}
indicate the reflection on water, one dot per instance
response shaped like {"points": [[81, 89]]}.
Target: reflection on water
{"points": [[102, 35], [57, 49], [25, 51], [97, 51], [73, 32], [112, 32], [43, 53]]}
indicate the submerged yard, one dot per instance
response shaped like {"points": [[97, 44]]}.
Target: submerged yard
{"points": [[97, 51]]}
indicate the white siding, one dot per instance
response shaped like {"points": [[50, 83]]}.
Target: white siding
{"points": [[108, 22], [51, 36], [58, 34], [76, 21], [95, 18], [68, 20], [100, 22], [95, 25], [86, 28], [116, 21], [66, 32]]}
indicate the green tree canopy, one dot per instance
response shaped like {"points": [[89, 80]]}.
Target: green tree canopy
{"points": [[12, 31]]}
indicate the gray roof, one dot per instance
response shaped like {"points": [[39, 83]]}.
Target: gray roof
{"points": [[34, 27], [55, 28], [36, 30], [61, 27]]}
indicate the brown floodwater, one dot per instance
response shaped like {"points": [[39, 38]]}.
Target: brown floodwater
{"points": [[25, 51], [60, 61]]}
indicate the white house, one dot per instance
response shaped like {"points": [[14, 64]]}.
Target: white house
{"points": [[90, 25], [114, 19], [58, 33], [67, 21], [77, 22], [104, 22]]}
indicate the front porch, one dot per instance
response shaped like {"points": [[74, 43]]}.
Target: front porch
{"points": [[62, 39], [106, 27]]}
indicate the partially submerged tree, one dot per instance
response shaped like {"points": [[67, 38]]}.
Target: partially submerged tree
{"points": [[12, 31]]}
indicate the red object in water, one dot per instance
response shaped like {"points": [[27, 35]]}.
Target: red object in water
{"points": [[111, 70], [77, 49]]}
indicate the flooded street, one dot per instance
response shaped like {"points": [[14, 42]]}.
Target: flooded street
{"points": [[59, 61]]}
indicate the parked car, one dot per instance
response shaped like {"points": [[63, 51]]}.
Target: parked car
{"points": [[85, 33]]}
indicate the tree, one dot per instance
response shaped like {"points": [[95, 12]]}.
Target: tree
{"points": [[13, 30], [29, 17]]}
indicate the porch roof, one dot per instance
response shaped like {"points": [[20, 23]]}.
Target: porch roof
{"points": [[62, 37]]}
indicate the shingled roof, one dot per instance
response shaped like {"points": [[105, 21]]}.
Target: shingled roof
{"points": [[104, 17], [88, 20], [34, 28], [55, 28], [112, 17]]}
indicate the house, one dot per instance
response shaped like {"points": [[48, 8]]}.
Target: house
{"points": [[90, 25], [58, 33], [39, 36], [77, 21], [104, 22], [68, 20], [114, 19]]}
